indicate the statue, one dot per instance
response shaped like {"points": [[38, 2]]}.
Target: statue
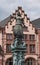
{"points": [[18, 47]]}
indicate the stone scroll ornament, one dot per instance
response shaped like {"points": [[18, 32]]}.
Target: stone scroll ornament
{"points": [[18, 47]]}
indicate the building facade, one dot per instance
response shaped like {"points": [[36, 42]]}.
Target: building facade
{"points": [[31, 37]]}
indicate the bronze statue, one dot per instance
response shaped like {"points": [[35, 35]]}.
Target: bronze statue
{"points": [[18, 47]]}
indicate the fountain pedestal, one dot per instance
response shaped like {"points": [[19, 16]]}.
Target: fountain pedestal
{"points": [[18, 47]]}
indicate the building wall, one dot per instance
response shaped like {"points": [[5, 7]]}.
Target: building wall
{"points": [[39, 40], [0, 37], [29, 31]]}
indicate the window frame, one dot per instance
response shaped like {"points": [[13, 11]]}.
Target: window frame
{"points": [[25, 28], [32, 48], [8, 48], [9, 36], [32, 37], [25, 37]]}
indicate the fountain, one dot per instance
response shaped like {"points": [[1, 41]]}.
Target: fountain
{"points": [[18, 47]]}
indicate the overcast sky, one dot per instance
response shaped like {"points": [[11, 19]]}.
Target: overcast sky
{"points": [[31, 8]]}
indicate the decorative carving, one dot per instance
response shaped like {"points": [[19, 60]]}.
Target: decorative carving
{"points": [[18, 47]]}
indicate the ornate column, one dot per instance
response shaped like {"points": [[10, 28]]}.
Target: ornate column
{"points": [[18, 47]]}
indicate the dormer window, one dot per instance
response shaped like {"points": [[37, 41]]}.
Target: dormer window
{"points": [[25, 28], [9, 36]]}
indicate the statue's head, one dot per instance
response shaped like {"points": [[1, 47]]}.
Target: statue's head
{"points": [[18, 29]]}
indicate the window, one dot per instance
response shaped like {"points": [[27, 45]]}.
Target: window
{"points": [[30, 61], [9, 37], [9, 61], [25, 28], [32, 48], [8, 48], [1, 51], [25, 36], [32, 37], [26, 48]]}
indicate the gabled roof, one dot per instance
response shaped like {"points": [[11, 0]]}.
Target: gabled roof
{"points": [[36, 23], [5, 21]]}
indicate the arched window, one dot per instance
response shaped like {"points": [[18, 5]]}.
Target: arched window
{"points": [[9, 61], [30, 61]]}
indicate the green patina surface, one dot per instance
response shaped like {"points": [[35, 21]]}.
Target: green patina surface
{"points": [[18, 47]]}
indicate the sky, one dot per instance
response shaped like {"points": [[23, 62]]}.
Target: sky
{"points": [[31, 8]]}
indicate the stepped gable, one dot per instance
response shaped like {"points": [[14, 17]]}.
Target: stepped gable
{"points": [[36, 23], [11, 19]]}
